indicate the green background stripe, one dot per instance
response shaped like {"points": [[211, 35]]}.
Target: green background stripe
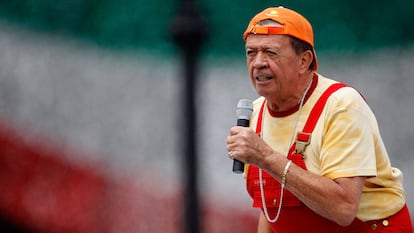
{"points": [[138, 24]]}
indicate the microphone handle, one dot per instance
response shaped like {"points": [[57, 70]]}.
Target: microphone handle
{"points": [[238, 166]]}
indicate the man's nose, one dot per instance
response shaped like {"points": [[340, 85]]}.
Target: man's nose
{"points": [[260, 60]]}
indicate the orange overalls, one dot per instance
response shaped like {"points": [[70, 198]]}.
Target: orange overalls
{"points": [[295, 216]]}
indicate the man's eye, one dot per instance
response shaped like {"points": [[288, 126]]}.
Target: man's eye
{"points": [[250, 52], [271, 53]]}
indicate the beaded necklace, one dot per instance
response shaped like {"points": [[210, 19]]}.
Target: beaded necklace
{"points": [[287, 165]]}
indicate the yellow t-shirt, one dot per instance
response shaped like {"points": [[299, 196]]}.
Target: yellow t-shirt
{"points": [[346, 142]]}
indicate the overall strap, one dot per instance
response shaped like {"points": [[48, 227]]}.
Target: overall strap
{"points": [[303, 138], [318, 108], [260, 118], [314, 115]]}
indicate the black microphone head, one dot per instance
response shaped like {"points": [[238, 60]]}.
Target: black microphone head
{"points": [[244, 109]]}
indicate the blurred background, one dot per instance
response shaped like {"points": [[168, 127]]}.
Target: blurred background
{"points": [[90, 119]]}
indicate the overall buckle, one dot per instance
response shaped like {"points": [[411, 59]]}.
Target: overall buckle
{"points": [[302, 141]]}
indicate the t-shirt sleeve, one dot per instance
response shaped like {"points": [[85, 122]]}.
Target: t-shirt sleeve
{"points": [[348, 145]]}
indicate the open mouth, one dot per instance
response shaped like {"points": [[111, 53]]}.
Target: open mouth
{"points": [[263, 78]]}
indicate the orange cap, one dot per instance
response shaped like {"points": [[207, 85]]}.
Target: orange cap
{"points": [[293, 24]]}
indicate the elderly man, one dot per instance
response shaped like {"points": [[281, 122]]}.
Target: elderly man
{"points": [[316, 160]]}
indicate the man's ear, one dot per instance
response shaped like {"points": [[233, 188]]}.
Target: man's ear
{"points": [[306, 59]]}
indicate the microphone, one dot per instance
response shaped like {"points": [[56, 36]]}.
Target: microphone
{"points": [[244, 112]]}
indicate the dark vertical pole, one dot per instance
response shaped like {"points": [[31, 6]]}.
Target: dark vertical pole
{"points": [[188, 33]]}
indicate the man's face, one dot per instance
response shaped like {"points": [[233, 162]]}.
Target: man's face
{"points": [[273, 66]]}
